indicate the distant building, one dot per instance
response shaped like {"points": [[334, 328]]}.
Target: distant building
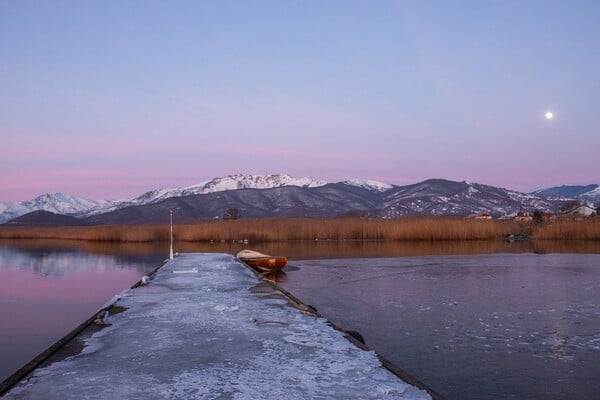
{"points": [[523, 216]]}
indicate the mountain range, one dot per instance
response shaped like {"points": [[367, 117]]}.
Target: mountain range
{"points": [[278, 195], [583, 192]]}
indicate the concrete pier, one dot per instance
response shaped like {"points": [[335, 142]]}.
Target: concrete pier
{"points": [[206, 328]]}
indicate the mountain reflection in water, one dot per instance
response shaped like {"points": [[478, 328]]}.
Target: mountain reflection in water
{"points": [[299, 250], [48, 291]]}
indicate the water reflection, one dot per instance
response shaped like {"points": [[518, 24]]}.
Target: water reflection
{"points": [[566, 246], [60, 263], [47, 291], [125, 251], [300, 250], [275, 276]]}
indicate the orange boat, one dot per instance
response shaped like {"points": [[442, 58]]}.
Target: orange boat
{"points": [[263, 262]]}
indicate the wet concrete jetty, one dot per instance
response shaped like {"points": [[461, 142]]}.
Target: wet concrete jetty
{"points": [[206, 328]]}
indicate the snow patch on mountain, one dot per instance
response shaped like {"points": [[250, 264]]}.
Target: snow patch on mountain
{"points": [[58, 203], [472, 190], [231, 182], [369, 184], [593, 194], [588, 192], [241, 181]]}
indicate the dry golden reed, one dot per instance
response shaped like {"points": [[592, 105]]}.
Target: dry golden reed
{"points": [[275, 230], [570, 229]]}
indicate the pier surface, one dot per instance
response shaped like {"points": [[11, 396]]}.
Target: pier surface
{"points": [[205, 328]]}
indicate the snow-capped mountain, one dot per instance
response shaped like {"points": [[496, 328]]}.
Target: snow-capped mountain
{"points": [[368, 184], [231, 182], [59, 203], [280, 195], [581, 192]]}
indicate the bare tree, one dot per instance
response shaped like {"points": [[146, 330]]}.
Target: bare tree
{"points": [[232, 213], [538, 217]]}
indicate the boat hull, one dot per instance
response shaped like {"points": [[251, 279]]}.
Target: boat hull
{"points": [[262, 262]]}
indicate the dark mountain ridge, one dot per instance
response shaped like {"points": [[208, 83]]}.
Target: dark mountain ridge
{"points": [[46, 218]]}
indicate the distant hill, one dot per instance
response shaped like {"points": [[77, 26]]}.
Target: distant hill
{"points": [[46, 218], [278, 195], [445, 197], [581, 192]]}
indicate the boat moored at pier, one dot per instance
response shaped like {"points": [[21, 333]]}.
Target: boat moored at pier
{"points": [[262, 262]]}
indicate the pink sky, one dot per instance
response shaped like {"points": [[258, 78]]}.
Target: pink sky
{"points": [[103, 102]]}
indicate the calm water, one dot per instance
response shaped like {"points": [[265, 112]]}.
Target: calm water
{"points": [[47, 292], [504, 326], [513, 322]]}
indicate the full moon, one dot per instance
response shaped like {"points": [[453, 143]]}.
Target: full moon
{"points": [[549, 115]]}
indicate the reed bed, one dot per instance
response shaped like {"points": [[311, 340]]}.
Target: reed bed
{"points": [[277, 230], [570, 229], [273, 230]]}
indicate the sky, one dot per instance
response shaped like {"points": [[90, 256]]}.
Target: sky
{"points": [[110, 99]]}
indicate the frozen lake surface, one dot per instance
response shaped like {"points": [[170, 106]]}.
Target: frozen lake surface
{"points": [[504, 326]]}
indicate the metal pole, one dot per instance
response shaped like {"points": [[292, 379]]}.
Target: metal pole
{"points": [[171, 250]]}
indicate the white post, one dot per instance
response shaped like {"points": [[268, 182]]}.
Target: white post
{"points": [[171, 250]]}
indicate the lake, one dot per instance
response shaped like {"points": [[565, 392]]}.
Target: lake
{"points": [[472, 320], [48, 290], [502, 326]]}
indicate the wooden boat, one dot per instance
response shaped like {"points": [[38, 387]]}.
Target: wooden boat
{"points": [[263, 262]]}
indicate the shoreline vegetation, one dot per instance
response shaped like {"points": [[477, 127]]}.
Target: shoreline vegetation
{"points": [[334, 229]]}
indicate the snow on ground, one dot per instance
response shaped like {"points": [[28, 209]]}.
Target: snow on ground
{"points": [[197, 331]]}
